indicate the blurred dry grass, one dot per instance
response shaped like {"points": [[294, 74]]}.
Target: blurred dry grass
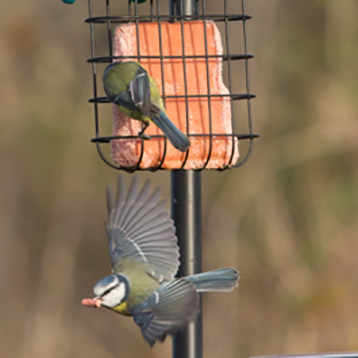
{"points": [[287, 219]]}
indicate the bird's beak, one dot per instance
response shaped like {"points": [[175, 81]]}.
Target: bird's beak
{"points": [[92, 302]]}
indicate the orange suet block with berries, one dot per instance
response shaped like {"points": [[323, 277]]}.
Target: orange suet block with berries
{"points": [[218, 151]]}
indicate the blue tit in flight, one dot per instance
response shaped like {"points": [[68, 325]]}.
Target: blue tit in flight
{"points": [[128, 85], [145, 258]]}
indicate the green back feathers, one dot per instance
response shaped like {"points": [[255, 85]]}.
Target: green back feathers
{"points": [[117, 77]]}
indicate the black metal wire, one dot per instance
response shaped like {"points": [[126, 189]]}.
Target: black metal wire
{"points": [[234, 97], [109, 138], [151, 9], [109, 30], [149, 18], [225, 57], [175, 15], [227, 43], [251, 146], [94, 79], [209, 96], [185, 86], [162, 72]]}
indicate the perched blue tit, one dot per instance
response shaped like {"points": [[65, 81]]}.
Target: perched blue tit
{"points": [[128, 85], [145, 258]]}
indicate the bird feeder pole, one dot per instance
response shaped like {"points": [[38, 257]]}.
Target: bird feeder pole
{"points": [[186, 213], [183, 7]]}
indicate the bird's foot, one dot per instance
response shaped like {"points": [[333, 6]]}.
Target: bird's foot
{"points": [[143, 135]]}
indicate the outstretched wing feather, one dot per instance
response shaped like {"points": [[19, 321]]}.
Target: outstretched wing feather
{"points": [[141, 221], [139, 227], [133, 213]]}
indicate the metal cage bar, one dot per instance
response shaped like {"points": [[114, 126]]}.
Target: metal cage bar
{"points": [[162, 72]]}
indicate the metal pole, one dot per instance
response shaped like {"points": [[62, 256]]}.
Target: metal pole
{"points": [[186, 213], [186, 7]]}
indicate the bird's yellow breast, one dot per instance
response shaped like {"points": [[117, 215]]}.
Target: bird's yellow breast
{"points": [[122, 309]]}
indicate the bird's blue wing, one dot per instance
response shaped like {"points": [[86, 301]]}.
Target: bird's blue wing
{"points": [[124, 99], [167, 310], [139, 228], [139, 89]]}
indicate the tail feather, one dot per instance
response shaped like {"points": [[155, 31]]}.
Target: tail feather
{"points": [[175, 136], [222, 280]]}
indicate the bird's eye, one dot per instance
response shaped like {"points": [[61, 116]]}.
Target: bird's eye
{"points": [[105, 285], [113, 296], [107, 291]]}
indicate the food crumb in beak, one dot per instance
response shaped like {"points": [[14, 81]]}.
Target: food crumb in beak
{"points": [[92, 302]]}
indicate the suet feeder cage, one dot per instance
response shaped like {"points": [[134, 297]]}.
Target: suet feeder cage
{"points": [[197, 53]]}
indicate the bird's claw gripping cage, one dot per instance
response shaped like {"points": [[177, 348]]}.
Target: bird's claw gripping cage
{"points": [[230, 18]]}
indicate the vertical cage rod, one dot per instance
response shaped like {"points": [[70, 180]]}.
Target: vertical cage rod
{"points": [[151, 10], [208, 86], [129, 7], [136, 14], [229, 76], [159, 13], [185, 86], [251, 145], [109, 29], [94, 74]]}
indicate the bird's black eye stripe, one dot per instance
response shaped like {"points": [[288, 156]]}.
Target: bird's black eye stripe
{"points": [[107, 291]]}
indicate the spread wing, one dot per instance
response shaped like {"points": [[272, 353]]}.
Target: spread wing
{"points": [[167, 310], [139, 228]]}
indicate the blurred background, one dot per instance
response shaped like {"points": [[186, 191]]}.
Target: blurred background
{"points": [[288, 219]]}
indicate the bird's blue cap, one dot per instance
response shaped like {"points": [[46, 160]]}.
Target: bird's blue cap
{"points": [[105, 283]]}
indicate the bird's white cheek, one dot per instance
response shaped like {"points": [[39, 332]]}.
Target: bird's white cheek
{"points": [[114, 297]]}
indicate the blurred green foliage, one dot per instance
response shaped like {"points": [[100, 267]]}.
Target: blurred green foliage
{"points": [[288, 219]]}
